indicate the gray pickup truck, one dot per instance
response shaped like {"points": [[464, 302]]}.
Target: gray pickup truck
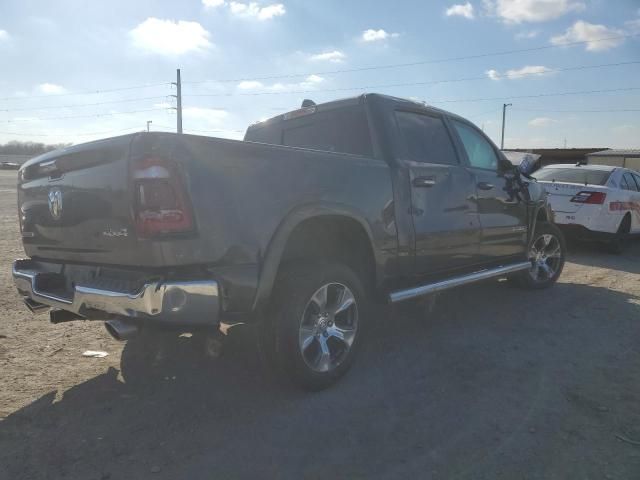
{"points": [[317, 214]]}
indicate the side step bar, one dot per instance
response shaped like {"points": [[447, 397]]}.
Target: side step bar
{"points": [[429, 288]]}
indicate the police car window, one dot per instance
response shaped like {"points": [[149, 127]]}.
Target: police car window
{"points": [[581, 175], [479, 151], [630, 183]]}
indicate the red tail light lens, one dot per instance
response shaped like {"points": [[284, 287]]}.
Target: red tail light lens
{"points": [[160, 201], [596, 198]]}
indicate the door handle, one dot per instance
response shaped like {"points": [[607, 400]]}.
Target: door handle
{"points": [[425, 182], [485, 186]]}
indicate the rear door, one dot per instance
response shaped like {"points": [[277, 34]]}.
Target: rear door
{"points": [[502, 211], [445, 218], [633, 181]]}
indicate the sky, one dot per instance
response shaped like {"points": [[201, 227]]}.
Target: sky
{"points": [[74, 71]]}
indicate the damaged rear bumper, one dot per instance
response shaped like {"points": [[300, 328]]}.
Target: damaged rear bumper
{"points": [[180, 302]]}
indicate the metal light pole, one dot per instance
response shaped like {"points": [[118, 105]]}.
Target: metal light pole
{"points": [[504, 114], [149, 122]]}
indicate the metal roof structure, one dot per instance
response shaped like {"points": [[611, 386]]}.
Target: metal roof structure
{"points": [[631, 152]]}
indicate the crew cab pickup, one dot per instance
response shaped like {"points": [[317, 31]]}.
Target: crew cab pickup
{"points": [[296, 229]]}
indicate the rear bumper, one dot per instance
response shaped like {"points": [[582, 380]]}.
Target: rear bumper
{"points": [[581, 232], [163, 302]]}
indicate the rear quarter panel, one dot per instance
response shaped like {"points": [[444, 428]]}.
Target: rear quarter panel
{"points": [[243, 193]]}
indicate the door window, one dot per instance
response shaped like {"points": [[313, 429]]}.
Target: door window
{"points": [[628, 183], [425, 139], [479, 151]]}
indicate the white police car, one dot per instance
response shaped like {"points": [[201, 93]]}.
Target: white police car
{"points": [[594, 202]]}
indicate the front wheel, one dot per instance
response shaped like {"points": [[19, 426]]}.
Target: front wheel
{"points": [[547, 256], [315, 324]]}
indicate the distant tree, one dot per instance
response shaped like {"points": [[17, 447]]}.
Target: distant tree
{"points": [[15, 147]]}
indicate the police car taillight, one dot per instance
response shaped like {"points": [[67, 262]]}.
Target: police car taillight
{"points": [[595, 198]]}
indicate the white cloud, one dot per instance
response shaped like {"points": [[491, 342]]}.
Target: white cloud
{"points": [[308, 83], [51, 89], [529, 34], [335, 56], [250, 85], [169, 37], [461, 10], [541, 122], [314, 79], [582, 31], [493, 74], [372, 35], [4, 35], [633, 26], [211, 116], [212, 3], [526, 71], [517, 11], [253, 10]]}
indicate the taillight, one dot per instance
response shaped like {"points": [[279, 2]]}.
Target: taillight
{"points": [[160, 201], [589, 197]]}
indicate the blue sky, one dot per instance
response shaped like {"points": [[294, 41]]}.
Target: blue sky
{"points": [[57, 55]]}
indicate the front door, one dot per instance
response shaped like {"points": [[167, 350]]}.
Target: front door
{"points": [[445, 217], [502, 211]]}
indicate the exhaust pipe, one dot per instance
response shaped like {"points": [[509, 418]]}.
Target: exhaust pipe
{"points": [[120, 330], [35, 307]]}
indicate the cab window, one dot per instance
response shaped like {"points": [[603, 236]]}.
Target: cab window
{"points": [[425, 139], [479, 151]]}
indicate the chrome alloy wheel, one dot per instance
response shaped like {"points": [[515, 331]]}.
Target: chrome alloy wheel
{"points": [[328, 327], [545, 255]]}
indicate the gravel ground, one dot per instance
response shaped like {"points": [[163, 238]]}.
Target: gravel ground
{"points": [[497, 383]]}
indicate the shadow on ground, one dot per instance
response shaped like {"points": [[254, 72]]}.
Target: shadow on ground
{"points": [[497, 383], [596, 255]]}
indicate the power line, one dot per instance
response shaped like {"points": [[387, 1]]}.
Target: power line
{"points": [[84, 116], [621, 110], [86, 92], [77, 105], [413, 84], [539, 95], [85, 134], [411, 64]]}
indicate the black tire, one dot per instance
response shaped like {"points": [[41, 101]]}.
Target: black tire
{"points": [[539, 276], [620, 241], [296, 318]]}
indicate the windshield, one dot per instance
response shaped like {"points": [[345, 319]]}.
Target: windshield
{"points": [[573, 175]]}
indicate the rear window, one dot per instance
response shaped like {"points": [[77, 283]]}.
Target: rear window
{"points": [[344, 130], [573, 175]]}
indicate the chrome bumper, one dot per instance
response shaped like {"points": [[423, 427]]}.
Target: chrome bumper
{"points": [[190, 303]]}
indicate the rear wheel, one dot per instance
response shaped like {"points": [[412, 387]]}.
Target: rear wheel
{"points": [[620, 241], [547, 256], [315, 324]]}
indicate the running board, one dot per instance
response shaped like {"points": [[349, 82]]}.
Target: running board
{"points": [[429, 288]]}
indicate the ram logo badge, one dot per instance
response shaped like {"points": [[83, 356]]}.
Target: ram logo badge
{"points": [[55, 203]]}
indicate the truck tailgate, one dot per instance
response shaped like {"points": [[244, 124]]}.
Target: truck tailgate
{"points": [[75, 205]]}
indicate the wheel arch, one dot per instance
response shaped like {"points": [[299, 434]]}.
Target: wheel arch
{"points": [[298, 218]]}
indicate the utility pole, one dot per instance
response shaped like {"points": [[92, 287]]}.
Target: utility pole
{"points": [[178, 95], [149, 122], [504, 114]]}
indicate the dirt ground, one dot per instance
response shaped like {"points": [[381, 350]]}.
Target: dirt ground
{"points": [[497, 383]]}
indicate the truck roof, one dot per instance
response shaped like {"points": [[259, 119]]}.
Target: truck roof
{"points": [[345, 102]]}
